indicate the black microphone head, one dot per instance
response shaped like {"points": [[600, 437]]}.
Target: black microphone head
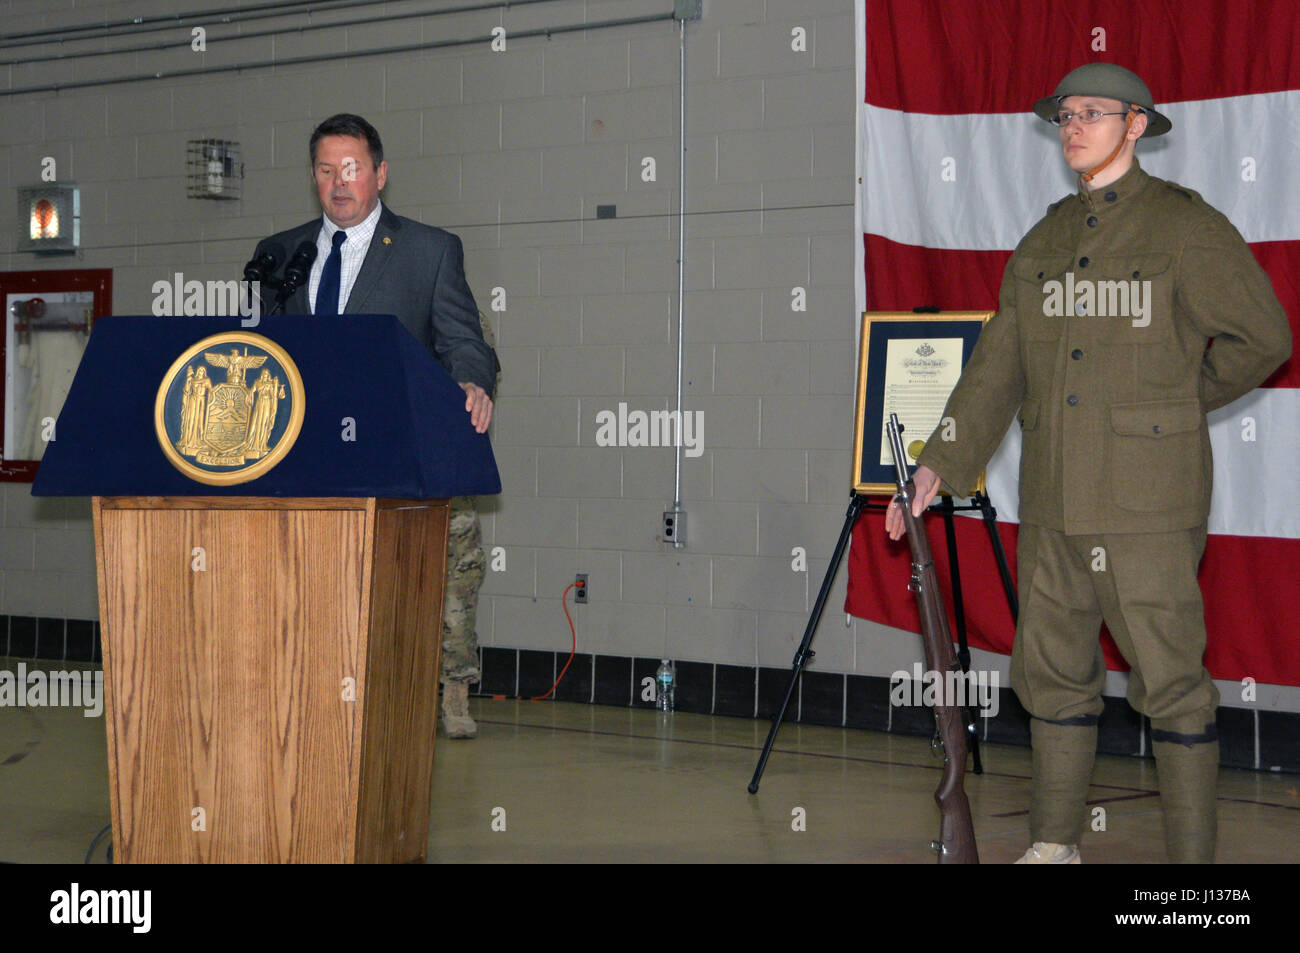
{"points": [[264, 262], [300, 264]]}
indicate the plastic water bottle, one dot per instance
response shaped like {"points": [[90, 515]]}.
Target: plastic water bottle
{"points": [[665, 686]]}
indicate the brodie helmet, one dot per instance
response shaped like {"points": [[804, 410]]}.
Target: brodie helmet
{"points": [[1111, 82]]}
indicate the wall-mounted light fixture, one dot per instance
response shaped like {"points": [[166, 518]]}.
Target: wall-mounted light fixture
{"points": [[213, 169], [49, 218]]}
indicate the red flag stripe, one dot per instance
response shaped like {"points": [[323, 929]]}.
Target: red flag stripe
{"points": [[1249, 637], [1192, 49]]}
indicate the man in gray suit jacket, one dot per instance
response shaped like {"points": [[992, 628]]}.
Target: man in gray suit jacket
{"points": [[371, 261], [385, 263]]}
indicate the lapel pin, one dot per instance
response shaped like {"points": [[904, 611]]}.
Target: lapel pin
{"points": [[387, 240]]}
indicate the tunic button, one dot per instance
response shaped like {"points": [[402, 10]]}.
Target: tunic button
{"points": [[1081, 309], [1072, 400], [1076, 354], [1136, 273], [1155, 429], [1083, 262], [1111, 196], [1092, 221]]}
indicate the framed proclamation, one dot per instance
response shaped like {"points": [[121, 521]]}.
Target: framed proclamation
{"points": [[908, 364]]}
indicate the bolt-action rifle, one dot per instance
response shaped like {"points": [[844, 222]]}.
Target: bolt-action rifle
{"points": [[956, 843]]}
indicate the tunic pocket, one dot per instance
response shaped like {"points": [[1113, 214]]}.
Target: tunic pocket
{"points": [[1029, 414], [1039, 281], [1156, 458], [1131, 298]]}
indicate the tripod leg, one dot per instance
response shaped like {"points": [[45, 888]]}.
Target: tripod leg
{"points": [[959, 611], [804, 654], [999, 554]]}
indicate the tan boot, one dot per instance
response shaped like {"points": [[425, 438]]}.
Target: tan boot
{"points": [[1043, 853], [456, 721]]}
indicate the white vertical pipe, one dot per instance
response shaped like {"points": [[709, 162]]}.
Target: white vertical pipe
{"points": [[681, 258]]}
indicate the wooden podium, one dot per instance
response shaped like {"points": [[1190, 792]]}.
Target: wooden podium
{"points": [[271, 660], [271, 676]]}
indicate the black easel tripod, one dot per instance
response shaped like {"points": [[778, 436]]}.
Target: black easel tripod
{"points": [[804, 653]]}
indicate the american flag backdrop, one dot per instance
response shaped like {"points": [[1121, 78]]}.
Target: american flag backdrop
{"points": [[949, 87]]}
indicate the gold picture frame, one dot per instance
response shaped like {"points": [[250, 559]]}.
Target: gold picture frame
{"points": [[951, 331]]}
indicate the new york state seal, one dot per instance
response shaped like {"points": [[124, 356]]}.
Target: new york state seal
{"points": [[236, 428]]}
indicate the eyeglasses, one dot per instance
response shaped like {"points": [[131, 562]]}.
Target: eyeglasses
{"points": [[1086, 116]]}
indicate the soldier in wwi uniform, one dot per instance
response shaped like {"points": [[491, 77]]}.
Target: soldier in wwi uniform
{"points": [[1116, 451]]}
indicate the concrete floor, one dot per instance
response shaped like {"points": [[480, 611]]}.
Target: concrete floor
{"points": [[588, 783]]}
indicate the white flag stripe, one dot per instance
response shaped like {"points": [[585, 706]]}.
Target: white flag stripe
{"points": [[1256, 462], [937, 181], [1256, 487]]}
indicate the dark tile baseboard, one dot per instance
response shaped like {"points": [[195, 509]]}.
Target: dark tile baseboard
{"points": [[1254, 740], [60, 640], [1248, 739]]}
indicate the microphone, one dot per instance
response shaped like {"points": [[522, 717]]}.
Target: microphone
{"points": [[258, 272], [299, 267], [296, 272], [262, 266]]}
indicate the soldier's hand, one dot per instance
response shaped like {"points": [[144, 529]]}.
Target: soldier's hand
{"points": [[926, 482], [479, 405]]}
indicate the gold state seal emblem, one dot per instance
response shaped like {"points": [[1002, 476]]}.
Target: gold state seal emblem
{"points": [[229, 431]]}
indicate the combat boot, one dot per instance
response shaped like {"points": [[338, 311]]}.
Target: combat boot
{"points": [[456, 721]]}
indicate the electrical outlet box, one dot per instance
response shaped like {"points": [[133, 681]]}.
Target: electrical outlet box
{"points": [[674, 529], [688, 9], [580, 589]]}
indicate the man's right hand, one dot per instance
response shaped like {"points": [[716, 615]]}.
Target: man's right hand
{"points": [[926, 482], [479, 405]]}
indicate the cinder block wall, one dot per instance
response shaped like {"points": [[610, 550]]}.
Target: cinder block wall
{"points": [[513, 150]]}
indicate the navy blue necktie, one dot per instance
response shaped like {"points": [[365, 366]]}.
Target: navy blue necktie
{"points": [[327, 292]]}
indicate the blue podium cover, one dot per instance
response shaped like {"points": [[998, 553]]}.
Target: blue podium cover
{"points": [[410, 434]]}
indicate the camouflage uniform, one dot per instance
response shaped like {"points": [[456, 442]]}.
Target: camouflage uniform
{"points": [[466, 565]]}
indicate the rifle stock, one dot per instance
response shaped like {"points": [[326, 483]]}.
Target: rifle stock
{"points": [[956, 844]]}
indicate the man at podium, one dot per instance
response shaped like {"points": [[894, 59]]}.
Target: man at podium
{"points": [[368, 260]]}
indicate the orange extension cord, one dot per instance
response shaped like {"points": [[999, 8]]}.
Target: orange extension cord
{"points": [[573, 650]]}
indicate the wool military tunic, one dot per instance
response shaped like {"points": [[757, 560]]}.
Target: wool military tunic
{"points": [[1100, 340]]}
